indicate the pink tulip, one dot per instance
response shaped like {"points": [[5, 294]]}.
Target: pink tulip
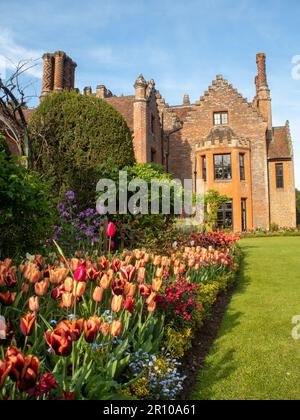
{"points": [[111, 230], [80, 273]]}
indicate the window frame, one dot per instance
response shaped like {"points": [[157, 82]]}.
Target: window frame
{"points": [[221, 115], [279, 177], [215, 166], [242, 166], [204, 167], [244, 214], [224, 210]]}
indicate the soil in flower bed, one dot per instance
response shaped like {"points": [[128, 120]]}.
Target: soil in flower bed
{"points": [[203, 340]]}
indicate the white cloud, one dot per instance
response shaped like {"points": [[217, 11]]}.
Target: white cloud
{"points": [[11, 53]]}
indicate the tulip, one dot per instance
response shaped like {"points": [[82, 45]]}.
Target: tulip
{"points": [[147, 257], [16, 358], [157, 260], [2, 329], [67, 299], [48, 382], [159, 272], [68, 285], [7, 299], [115, 265], [80, 273], [74, 327], [79, 289], [129, 304], [11, 278], [116, 328], [91, 329], [117, 303], [98, 294], [56, 293], [58, 275], [7, 262], [31, 272], [92, 273], [129, 289], [34, 304], [145, 290], [41, 288], [59, 340], [27, 324], [105, 328], [5, 368], [25, 288], [156, 285], [141, 275], [111, 230], [103, 263], [29, 374], [151, 298], [105, 281], [152, 306], [74, 262], [128, 273], [118, 286]]}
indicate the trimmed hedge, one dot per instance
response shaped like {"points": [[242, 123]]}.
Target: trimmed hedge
{"points": [[72, 135]]}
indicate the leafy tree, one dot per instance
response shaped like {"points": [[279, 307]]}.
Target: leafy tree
{"points": [[72, 135], [26, 207], [213, 201]]}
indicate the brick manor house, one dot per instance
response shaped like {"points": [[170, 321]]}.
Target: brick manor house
{"points": [[223, 139]]}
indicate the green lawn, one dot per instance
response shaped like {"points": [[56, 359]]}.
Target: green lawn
{"points": [[255, 356]]}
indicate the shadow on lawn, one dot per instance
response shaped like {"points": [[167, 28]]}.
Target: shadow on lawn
{"points": [[207, 335]]}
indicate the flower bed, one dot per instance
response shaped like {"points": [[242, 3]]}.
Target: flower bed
{"points": [[103, 328]]}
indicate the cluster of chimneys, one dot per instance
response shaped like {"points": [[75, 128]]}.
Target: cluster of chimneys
{"points": [[59, 74]]}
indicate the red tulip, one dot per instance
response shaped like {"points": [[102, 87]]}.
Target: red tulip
{"points": [[129, 304], [29, 374], [75, 328], [59, 340], [91, 329], [48, 382], [5, 367], [80, 273], [11, 278], [111, 230], [128, 273], [27, 324], [7, 299], [116, 328]]}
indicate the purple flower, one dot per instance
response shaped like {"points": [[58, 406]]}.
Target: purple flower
{"points": [[70, 195], [64, 214], [89, 212], [61, 206]]}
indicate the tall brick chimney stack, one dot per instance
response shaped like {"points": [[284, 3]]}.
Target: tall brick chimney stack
{"points": [[141, 121], [58, 73], [186, 100], [263, 96]]}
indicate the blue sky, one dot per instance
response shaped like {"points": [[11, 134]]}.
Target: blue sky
{"points": [[182, 45]]}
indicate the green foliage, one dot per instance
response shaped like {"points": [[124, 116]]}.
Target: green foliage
{"points": [[144, 227], [72, 135], [213, 200], [274, 227], [26, 208]]}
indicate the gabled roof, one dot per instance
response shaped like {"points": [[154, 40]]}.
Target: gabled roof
{"points": [[281, 144], [124, 105]]}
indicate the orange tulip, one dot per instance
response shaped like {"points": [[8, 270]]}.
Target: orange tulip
{"points": [[141, 275], [117, 303], [98, 294], [156, 285], [58, 275], [103, 263], [145, 290], [151, 298], [159, 272], [67, 299], [27, 324], [116, 328], [79, 289], [152, 306], [147, 257], [68, 285], [34, 304], [75, 327], [91, 329], [105, 281], [105, 328], [157, 260], [74, 262], [129, 289], [31, 272], [41, 288]]}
